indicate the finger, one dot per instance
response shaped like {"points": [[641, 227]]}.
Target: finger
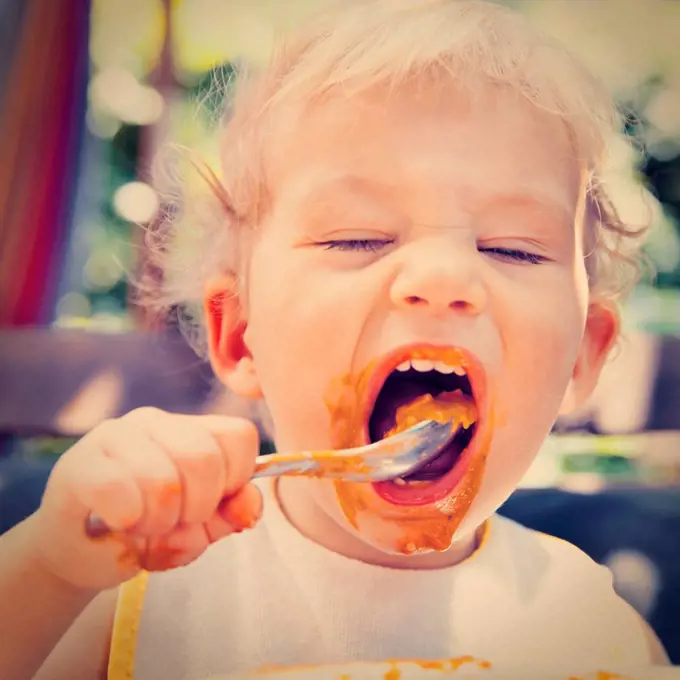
{"points": [[243, 510], [96, 485], [178, 549], [239, 441], [153, 471], [199, 462], [217, 528]]}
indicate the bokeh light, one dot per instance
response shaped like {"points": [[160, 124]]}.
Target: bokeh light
{"points": [[116, 93], [127, 34], [136, 202]]}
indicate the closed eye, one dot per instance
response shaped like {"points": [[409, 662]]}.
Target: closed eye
{"points": [[515, 255], [356, 244], [374, 245]]}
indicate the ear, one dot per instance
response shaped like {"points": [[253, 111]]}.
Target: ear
{"points": [[601, 331], [226, 328]]}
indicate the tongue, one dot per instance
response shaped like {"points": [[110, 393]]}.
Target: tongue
{"points": [[409, 406], [439, 466], [445, 460]]}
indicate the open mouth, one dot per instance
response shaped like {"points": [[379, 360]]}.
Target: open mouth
{"points": [[426, 389]]}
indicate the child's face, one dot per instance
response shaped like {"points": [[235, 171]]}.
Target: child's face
{"points": [[433, 194]]}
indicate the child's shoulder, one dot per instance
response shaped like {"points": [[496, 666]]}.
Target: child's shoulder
{"points": [[548, 561], [566, 589], [520, 539]]}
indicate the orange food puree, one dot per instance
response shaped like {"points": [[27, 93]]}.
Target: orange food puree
{"points": [[393, 669], [404, 529], [455, 407]]}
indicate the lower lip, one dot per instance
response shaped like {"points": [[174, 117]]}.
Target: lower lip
{"points": [[430, 492]]}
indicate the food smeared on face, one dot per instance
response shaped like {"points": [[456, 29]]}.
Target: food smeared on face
{"points": [[420, 512]]}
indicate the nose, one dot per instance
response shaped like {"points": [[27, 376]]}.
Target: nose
{"points": [[438, 276]]}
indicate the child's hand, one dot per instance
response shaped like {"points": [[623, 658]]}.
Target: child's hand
{"points": [[167, 485]]}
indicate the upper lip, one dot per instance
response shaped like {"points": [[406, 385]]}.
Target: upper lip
{"points": [[473, 368]]}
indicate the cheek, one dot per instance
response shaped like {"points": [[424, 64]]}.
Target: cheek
{"points": [[542, 346], [544, 333], [302, 332], [542, 363], [282, 341]]}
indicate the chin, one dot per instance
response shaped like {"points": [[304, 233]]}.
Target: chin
{"points": [[416, 533], [413, 528]]}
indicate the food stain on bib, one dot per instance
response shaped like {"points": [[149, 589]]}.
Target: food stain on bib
{"points": [[603, 675], [452, 664], [442, 665], [396, 668]]}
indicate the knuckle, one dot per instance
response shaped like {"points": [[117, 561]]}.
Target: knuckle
{"points": [[162, 492], [157, 482], [195, 447], [111, 432], [108, 489], [247, 432], [102, 430], [144, 414], [205, 465]]}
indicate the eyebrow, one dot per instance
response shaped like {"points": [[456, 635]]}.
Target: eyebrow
{"points": [[529, 198], [316, 197], [353, 184], [349, 183]]}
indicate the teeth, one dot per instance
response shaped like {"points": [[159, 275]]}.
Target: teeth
{"points": [[441, 367], [399, 481], [425, 365], [422, 365]]}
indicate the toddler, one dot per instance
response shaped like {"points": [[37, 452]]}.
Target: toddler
{"points": [[412, 225]]}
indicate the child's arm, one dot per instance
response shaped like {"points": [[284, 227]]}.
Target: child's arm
{"points": [[83, 652], [166, 485], [657, 654], [37, 607]]}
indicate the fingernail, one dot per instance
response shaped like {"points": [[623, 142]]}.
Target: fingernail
{"points": [[239, 517]]}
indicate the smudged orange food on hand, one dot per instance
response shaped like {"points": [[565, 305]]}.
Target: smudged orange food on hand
{"points": [[455, 407], [135, 553], [169, 494]]}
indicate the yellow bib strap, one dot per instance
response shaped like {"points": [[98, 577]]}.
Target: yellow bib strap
{"points": [[126, 627]]}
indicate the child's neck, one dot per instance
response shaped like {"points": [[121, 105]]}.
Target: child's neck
{"points": [[303, 512]]}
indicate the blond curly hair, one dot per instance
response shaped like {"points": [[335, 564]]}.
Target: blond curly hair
{"points": [[360, 45]]}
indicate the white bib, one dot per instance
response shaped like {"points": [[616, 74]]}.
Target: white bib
{"points": [[270, 597]]}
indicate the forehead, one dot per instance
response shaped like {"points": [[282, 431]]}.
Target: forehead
{"points": [[429, 144]]}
